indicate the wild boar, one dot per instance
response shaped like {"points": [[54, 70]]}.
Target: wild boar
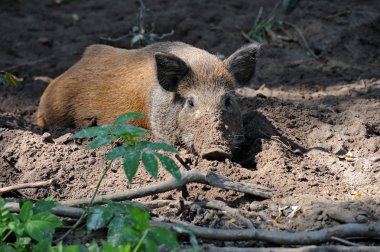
{"points": [[186, 93]]}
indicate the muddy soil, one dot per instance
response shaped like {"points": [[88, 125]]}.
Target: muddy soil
{"points": [[311, 117]]}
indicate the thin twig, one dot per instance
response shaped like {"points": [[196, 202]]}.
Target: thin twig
{"points": [[26, 185], [157, 203], [303, 39], [208, 178], [282, 237], [11, 165], [30, 63], [343, 241], [117, 38], [183, 163], [79, 221]]}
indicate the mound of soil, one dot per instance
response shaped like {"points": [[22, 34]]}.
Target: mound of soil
{"points": [[312, 117]]}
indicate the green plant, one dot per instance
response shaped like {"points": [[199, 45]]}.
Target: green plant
{"points": [[8, 79], [132, 149], [263, 26], [142, 34], [34, 223], [129, 224]]}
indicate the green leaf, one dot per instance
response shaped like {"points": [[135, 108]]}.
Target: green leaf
{"points": [[108, 247], [165, 237], [43, 246], [92, 132], [22, 242], [39, 230], [140, 218], [2, 203], [93, 247], [11, 79], [131, 164], [150, 163], [127, 117], [127, 129], [120, 231], [116, 152], [150, 245], [42, 226], [98, 217], [58, 247], [48, 217], [44, 206], [26, 211], [5, 248], [158, 146], [100, 141], [76, 248], [169, 165], [8, 79]]}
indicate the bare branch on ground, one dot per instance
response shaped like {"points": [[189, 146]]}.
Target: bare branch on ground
{"points": [[208, 178], [211, 248], [276, 237], [282, 237], [26, 185]]}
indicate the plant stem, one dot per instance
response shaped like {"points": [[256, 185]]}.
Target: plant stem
{"points": [[6, 236], [141, 240], [79, 221]]}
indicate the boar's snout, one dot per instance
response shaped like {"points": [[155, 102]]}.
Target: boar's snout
{"points": [[215, 137]]}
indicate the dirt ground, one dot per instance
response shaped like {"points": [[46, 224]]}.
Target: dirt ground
{"points": [[312, 122]]}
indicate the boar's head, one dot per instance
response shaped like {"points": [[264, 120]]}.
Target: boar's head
{"points": [[195, 104]]}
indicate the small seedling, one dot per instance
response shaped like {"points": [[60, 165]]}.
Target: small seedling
{"points": [[129, 224], [8, 79], [142, 34], [263, 26], [35, 223], [132, 149]]}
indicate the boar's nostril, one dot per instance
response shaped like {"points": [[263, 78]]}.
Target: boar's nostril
{"points": [[216, 154]]}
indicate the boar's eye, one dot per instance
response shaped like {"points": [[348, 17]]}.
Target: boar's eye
{"points": [[190, 102], [227, 101]]}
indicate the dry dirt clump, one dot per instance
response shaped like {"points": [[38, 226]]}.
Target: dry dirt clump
{"points": [[312, 125]]}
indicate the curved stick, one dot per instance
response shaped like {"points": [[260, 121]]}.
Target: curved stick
{"points": [[208, 178], [25, 185], [277, 237], [281, 237]]}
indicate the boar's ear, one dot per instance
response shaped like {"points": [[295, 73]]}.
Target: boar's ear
{"points": [[170, 70], [242, 63]]}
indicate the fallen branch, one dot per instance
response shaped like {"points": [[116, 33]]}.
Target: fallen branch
{"points": [[61, 211], [276, 237], [344, 242], [25, 185], [208, 178], [281, 237], [210, 248]]}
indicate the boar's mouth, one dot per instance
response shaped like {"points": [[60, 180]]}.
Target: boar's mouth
{"points": [[216, 153]]}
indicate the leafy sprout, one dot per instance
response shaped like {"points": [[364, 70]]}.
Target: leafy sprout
{"points": [[132, 150], [262, 26], [8, 79]]}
